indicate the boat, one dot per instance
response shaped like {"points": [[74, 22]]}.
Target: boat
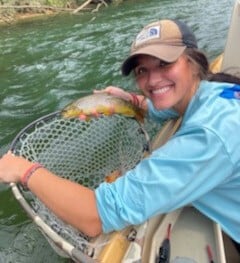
{"points": [[184, 235]]}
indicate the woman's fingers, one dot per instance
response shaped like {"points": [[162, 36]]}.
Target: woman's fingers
{"points": [[115, 91]]}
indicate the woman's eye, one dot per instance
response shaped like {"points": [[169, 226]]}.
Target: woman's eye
{"points": [[140, 71], [163, 64]]}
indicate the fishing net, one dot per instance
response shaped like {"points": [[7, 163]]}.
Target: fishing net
{"points": [[81, 151]]}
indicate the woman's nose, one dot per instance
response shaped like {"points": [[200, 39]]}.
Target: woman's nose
{"points": [[154, 77]]}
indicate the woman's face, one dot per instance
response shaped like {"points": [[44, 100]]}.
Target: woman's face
{"points": [[167, 85]]}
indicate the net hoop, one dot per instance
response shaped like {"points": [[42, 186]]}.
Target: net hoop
{"points": [[60, 244]]}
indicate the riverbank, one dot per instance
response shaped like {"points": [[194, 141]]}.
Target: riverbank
{"points": [[15, 11]]}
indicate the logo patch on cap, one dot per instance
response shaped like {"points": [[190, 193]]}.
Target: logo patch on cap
{"points": [[147, 34]]}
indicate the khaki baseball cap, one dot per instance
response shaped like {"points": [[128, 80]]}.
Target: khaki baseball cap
{"points": [[164, 39]]}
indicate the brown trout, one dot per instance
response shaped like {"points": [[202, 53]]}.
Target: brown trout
{"points": [[101, 104]]}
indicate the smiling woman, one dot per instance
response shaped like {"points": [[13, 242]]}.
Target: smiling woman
{"points": [[157, 82], [175, 174], [51, 62], [167, 64]]}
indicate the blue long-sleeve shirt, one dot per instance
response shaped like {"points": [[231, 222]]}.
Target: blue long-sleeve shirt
{"points": [[199, 165]]}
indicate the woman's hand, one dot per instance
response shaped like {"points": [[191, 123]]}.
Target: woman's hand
{"points": [[51, 190], [116, 91], [135, 99], [12, 168]]}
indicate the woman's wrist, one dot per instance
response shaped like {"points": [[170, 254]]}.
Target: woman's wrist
{"points": [[24, 179], [138, 100]]}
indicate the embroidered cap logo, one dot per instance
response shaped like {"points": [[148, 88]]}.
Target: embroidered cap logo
{"points": [[147, 34]]}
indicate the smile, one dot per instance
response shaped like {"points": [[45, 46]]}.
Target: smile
{"points": [[161, 90]]}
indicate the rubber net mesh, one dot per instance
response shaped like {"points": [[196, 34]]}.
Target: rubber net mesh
{"points": [[82, 151]]}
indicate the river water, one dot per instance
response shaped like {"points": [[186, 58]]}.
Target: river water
{"points": [[49, 62]]}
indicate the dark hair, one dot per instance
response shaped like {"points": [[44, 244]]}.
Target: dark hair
{"points": [[223, 77], [200, 60]]}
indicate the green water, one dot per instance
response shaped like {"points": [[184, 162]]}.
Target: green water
{"points": [[49, 62]]}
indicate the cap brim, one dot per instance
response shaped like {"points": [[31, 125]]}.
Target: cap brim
{"points": [[164, 52]]}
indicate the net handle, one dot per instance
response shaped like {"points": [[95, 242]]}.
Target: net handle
{"points": [[58, 241]]}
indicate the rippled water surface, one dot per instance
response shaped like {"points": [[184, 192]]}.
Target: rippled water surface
{"points": [[46, 63]]}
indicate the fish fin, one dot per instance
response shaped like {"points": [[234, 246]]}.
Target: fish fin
{"points": [[140, 116], [108, 111], [112, 176]]}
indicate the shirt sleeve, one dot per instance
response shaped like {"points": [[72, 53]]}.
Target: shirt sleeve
{"points": [[186, 168]]}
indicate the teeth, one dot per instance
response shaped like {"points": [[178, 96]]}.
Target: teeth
{"points": [[160, 91]]}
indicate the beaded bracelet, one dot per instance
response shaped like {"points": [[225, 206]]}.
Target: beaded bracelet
{"points": [[135, 99], [26, 176]]}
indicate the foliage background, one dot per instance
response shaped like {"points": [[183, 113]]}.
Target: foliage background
{"points": [[57, 3]]}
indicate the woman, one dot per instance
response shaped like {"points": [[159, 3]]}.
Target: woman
{"points": [[199, 165]]}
